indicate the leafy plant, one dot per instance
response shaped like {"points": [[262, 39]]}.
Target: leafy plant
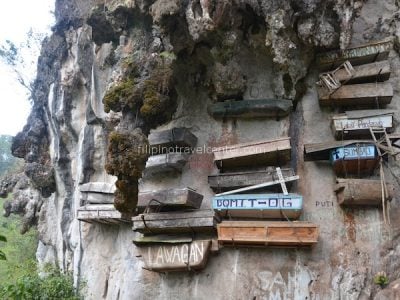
{"points": [[381, 279], [2, 255]]}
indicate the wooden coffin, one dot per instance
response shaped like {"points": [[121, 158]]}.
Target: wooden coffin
{"points": [[322, 151], [356, 124], [105, 214], [363, 192], [163, 163], [172, 140], [264, 233], [265, 152], [367, 95], [267, 206], [256, 108], [174, 222], [236, 180], [170, 199], [169, 257], [357, 159], [97, 193], [362, 54]]}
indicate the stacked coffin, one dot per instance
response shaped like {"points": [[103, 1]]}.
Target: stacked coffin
{"points": [[97, 204], [246, 211], [359, 81], [173, 233]]}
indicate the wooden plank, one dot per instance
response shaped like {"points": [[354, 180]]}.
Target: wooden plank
{"points": [[97, 198], [177, 257], [264, 233], [162, 163], [177, 139], [256, 108], [141, 240], [351, 125], [366, 94], [102, 215], [170, 199], [264, 152], [361, 192], [363, 54], [191, 221], [236, 180], [268, 206], [322, 151], [98, 187]]}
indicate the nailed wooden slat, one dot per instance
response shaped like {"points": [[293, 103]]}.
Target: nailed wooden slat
{"points": [[264, 152], [361, 192], [171, 140], [321, 151], [367, 94], [169, 162], [251, 108]]}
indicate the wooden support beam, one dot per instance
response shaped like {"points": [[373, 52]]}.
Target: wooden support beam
{"points": [[176, 139]]}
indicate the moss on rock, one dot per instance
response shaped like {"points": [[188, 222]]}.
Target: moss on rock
{"points": [[122, 95]]}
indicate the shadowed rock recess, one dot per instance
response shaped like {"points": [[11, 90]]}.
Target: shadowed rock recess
{"points": [[114, 71]]}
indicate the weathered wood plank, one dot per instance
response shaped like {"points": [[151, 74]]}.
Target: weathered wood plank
{"points": [[102, 214], [264, 233], [264, 152], [142, 240], [172, 140], [178, 257], [322, 151], [366, 94], [98, 187], [363, 54], [171, 198], [361, 192], [168, 162], [356, 124], [267, 206], [256, 108], [190, 221]]}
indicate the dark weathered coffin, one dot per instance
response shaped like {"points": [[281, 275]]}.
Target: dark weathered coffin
{"points": [[356, 124], [366, 95], [172, 140], [168, 162], [265, 152], [267, 206], [362, 54], [174, 222], [236, 180], [322, 151], [97, 193], [264, 233], [359, 159], [173, 198], [167, 257], [256, 108], [105, 214], [365, 192]]}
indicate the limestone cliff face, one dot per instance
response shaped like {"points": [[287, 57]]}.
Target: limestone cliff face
{"points": [[170, 59]]}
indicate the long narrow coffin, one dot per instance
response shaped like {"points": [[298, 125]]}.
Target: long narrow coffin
{"points": [[267, 206], [265, 152], [168, 162], [251, 108], [105, 214], [322, 151], [170, 199], [264, 233], [368, 94], [357, 159], [235, 180], [168, 222], [172, 140], [182, 256], [362, 54], [97, 193], [361, 192], [356, 124]]}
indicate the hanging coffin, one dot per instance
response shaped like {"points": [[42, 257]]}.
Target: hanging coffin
{"points": [[97, 193], [356, 124], [172, 140], [264, 233], [175, 222], [171, 199], [361, 192], [105, 214], [163, 163], [356, 159], [265, 152], [268, 206]]}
